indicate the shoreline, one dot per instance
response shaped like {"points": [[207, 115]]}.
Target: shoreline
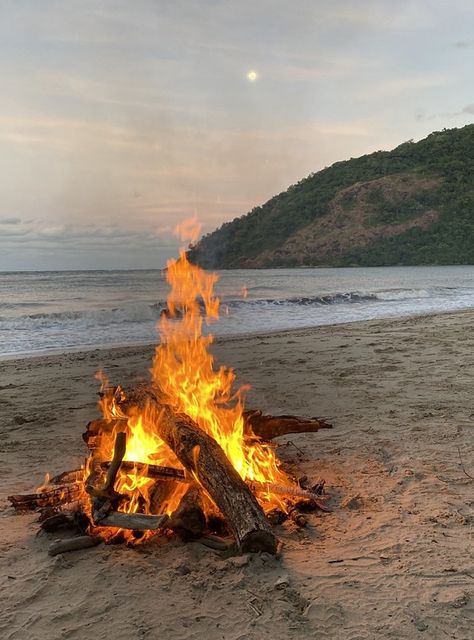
{"points": [[146, 346]]}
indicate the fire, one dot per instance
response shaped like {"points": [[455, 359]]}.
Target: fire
{"points": [[185, 373], [183, 368]]}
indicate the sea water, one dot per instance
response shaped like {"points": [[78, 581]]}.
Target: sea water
{"points": [[69, 310]]}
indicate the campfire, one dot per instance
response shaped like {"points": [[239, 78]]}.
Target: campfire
{"points": [[179, 455]]}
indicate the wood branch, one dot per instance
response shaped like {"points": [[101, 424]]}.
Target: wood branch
{"points": [[47, 498], [68, 477], [75, 519], [298, 518], [58, 521], [155, 471], [267, 427], [205, 459], [95, 428], [106, 498], [291, 491], [72, 544], [165, 473], [216, 542], [256, 425], [189, 521], [134, 521], [276, 516], [119, 452]]}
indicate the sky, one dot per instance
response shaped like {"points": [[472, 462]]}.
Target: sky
{"points": [[119, 119]]}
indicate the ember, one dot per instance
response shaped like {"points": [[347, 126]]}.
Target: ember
{"points": [[179, 454]]}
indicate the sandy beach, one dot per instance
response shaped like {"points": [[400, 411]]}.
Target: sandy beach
{"points": [[394, 559]]}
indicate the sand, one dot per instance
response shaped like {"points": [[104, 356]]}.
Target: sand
{"points": [[394, 558]]}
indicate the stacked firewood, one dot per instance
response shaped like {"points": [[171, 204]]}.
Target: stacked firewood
{"points": [[69, 501]]}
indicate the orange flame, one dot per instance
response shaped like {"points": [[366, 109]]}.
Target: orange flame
{"points": [[185, 373]]}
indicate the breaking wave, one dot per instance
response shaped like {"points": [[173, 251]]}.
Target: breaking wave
{"points": [[146, 313], [97, 314]]}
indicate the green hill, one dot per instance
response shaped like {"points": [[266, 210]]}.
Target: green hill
{"points": [[413, 205]]}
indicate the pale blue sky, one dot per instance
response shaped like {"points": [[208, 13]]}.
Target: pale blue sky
{"points": [[119, 119]]}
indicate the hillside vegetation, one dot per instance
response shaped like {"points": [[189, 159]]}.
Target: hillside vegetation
{"points": [[413, 205]]}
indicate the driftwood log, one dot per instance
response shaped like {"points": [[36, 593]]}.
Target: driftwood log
{"points": [[168, 474], [256, 424], [58, 495], [189, 521], [133, 521], [267, 427], [72, 544], [202, 456]]}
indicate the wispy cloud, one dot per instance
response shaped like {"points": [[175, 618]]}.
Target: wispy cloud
{"points": [[10, 221]]}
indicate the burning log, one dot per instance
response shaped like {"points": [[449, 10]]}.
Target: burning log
{"points": [[155, 471], [267, 427], [256, 424], [67, 477], [165, 473], [60, 495], [200, 454], [106, 498], [95, 428]]}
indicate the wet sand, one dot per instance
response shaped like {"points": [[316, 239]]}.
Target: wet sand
{"points": [[394, 559]]}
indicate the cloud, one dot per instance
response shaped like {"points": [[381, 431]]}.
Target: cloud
{"points": [[10, 220], [467, 110], [52, 232], [54, 247]]}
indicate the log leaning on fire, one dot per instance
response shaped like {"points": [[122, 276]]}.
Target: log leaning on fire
{"points": [[256, 424], [204, 458]]}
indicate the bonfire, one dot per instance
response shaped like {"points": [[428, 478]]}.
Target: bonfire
{"points": [[180, 455]]}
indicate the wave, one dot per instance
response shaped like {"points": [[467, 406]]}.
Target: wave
{"points": [[144, 313], [86, 318], [320, 300]]}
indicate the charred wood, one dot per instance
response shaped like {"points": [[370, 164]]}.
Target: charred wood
{"points": [[189, 521], [267, 427], [204, 458], [276, 516], [134, 521], [72, 544], [298, 518], [67, 477], [56, 496]]}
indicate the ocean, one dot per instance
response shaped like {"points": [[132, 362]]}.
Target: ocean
{"points": [[70, 310]]}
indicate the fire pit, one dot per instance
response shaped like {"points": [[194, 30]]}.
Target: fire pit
{"points": [[179, 454]]}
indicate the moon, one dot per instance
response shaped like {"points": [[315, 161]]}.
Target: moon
{"points": [[252, 76]]}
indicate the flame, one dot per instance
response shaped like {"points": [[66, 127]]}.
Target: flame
{"points": [[188, 379]]}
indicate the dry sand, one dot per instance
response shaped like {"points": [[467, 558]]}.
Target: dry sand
{"points": [[394, 558]]}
